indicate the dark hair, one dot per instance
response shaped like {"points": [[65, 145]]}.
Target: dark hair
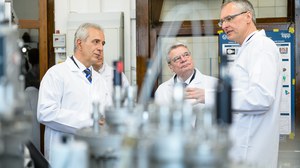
{"points": [[33, 56], [26, 37]]}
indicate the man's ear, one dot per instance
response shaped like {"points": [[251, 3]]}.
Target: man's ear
{"points": [[78, 44], [171, 67], [249, 17]]}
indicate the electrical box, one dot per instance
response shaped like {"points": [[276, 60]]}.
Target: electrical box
{"points": [[59, 44]]}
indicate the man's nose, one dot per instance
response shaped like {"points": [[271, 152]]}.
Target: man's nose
{"points": [[100, 47], [182, 58], [224, 25]]}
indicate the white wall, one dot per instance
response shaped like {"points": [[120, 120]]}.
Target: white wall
{"points": [[27, 10], [64, 7], [210, 9]]}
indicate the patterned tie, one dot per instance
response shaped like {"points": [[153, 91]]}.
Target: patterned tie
{"points": [[88, 74]]}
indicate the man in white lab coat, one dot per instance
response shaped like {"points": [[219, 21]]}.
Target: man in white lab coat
{"points": [[256, 87], [67, 91], [200, 89]]}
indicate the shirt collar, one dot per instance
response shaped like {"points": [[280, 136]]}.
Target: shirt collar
{"points": [[191, 78], [102, 69], [188, 81], [80, 65], [249, 37]]}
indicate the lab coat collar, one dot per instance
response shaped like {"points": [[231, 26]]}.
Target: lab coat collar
{"points": [[80, 65], [102, 69], [199, 77], [74, 67], [71, 64], [250, 36], [188, 81]]}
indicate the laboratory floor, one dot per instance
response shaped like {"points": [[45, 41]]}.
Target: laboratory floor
{"points": [[289, 151]]}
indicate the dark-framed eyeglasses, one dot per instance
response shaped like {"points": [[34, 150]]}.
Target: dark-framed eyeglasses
{"points": [[176, 59], [229, 18]]}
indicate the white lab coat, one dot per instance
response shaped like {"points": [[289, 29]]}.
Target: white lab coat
{"points": [[256, 98], [65, 101], [164, 92], [108, 73]]}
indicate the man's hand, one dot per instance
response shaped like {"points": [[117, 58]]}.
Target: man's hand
{"points": [[195, 93], [101, 121]]}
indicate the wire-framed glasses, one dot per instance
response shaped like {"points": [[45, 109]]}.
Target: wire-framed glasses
{"points": [[178, 57], [229, 18]]}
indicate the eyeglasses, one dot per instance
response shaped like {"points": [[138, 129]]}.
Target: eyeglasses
{"points": [[178, 57], [229, 18]]}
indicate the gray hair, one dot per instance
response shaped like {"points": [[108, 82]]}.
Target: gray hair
{"points": [[172, 47], [243, 5], [82, 32]]}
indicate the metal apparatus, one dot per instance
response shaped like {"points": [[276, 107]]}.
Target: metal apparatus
{"points": [[15, 125], [152, 136], [105, 142]]}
